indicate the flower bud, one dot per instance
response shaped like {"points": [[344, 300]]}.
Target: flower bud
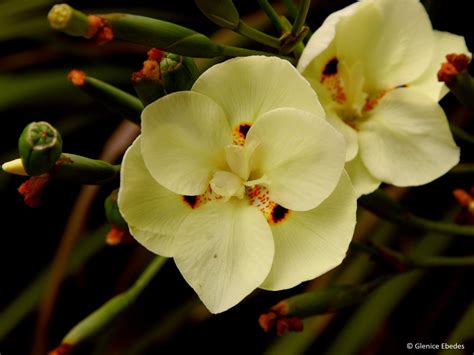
{"points": [[64, 18], [40, 146], [178, 73], [112, 212], [162, 74], [223, 12]]}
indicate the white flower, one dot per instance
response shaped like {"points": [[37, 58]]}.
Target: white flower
{"points": [[241, 181], [373, 65]]}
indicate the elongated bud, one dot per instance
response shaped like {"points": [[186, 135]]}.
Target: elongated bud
{"points": [[223, 12], [286, 315], [68, 20], [112, 212], [163, 73], [40, 146], [119, 234], [81, 170], [114, 99]]}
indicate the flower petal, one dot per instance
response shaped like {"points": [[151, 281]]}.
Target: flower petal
{"points": [[406, 140], [323, 38], [385, 44], [224, 250], [310, 243], [445, 43], [153, 212], [363, 181], [300, 155], [350, 134], [392, 53], [248, 87], [183, 140]]}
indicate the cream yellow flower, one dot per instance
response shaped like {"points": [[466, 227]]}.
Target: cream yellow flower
{"points": [[241, 181], [373, 65]]}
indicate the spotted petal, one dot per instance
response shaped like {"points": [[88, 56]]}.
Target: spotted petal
{"points": [[184, 137], [406, 141], [248, 87], [224, 250], [153, 212], [307, 244], [301, 157]]}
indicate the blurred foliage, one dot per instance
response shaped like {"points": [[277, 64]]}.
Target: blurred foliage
{"points": [[422, 306]]}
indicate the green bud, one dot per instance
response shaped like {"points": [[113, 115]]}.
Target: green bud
{"points": [[162, 74], [82, 170], [40, 146], [178, 73], [112, 211], [222, 12], [161, 34], [68, 20]]}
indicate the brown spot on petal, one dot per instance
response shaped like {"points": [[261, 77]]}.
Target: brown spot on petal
{"points": [[331, 67], [278, 214], [191, 201]]}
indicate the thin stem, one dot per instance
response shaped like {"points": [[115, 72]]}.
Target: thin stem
{"points": [[113, 308], [272, 15], [407, 262], [384, 207], [300, 17], [239, 52], [291, 7], [257, 35], [463, 169], [461, 134]]}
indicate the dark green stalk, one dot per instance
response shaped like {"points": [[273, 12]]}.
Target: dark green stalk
{"points": [[272, 15], [114, 99], [97, 321], [300, 17], [381, 205], [256, 35], [461, 134]]}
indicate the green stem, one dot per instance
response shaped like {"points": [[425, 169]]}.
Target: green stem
{"points": [[329, 300], [291, 7], [406, 262], [272, 15], [461, 134], [363, 325], [463, 89], [300, 17], [240, 52], [463, 169], [102, 317], [114, 99], [381, 205], [257, 35]]}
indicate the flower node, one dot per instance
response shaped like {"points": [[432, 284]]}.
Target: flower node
{"points": [[279, 319], [456, 63]]}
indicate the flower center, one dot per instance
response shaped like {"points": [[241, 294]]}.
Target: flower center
{"points": [[346, 87], [227, 185]]}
